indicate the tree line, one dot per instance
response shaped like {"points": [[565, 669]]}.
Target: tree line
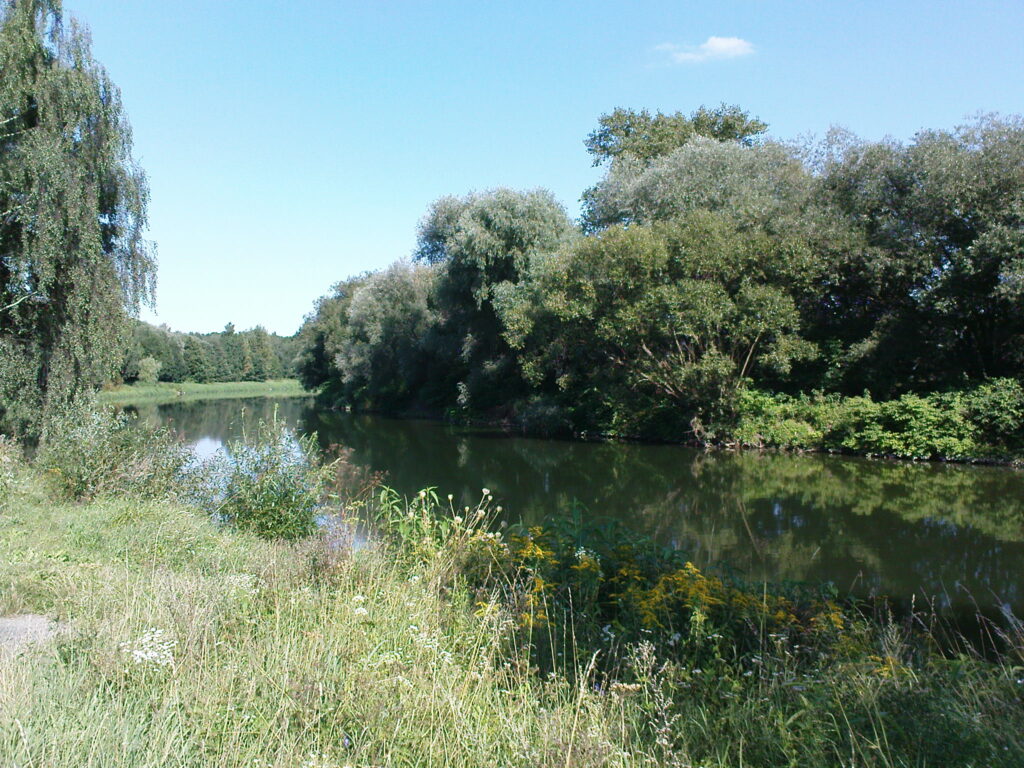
{"points": [[710, 262], [720, 285], [156, 353]]}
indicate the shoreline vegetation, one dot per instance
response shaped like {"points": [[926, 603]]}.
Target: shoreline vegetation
{"points": [[721, 287], [185, 391], [264, 640], [936, 429]]}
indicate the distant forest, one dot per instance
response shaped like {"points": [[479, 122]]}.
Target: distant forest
{"points": [[156, 353]]}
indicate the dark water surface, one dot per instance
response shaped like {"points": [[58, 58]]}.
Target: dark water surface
{"points": [[950, 533]]}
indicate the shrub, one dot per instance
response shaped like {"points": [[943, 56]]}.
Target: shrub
{"points": [[985, 421], [913, 427], [776, 420], [996, 409], [272, 483], [91, 451], [149, 370]]}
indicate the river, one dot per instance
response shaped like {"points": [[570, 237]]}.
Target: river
{"points": [[951, 535]]}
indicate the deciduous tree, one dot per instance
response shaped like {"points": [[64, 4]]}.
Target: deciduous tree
{"points": [[73, 262]]}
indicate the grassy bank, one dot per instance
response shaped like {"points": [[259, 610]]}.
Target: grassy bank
{"points": [[167, 392], [444, 644], [192, 645]]}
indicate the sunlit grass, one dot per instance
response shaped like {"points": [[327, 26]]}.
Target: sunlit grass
{"points": [[167, 392], [193, 645]]}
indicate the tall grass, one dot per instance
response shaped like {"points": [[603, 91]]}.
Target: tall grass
{"points": [[89, 451]]}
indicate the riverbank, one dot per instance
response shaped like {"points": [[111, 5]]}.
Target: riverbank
{"points": [[984, 426], [168, 392], [192, 644]]}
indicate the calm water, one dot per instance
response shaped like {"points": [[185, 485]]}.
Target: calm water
{"points": [[952, 533]]}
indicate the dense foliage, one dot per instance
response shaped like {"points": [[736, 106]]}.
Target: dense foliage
{"points": [[270, 482], [714, 268], [106, 453], [156, 353], [73, 263]]}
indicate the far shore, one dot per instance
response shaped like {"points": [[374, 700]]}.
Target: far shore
{"points": [[172, 392]]}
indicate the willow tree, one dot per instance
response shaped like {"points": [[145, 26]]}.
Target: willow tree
{"points": [[73, 262]]}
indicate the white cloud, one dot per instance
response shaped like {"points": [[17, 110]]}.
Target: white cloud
{"points": [[712, 49]]}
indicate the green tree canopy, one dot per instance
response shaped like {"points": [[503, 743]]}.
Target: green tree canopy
{"points": [[73, 262], [684, 311], [642, 136], [481, 242], [936, 293], [758, 185], [382, 359]]}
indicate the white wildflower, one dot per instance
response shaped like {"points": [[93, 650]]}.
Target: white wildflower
{"points": [[242, 584], [153, 648], [584, 553], [360, 611]]}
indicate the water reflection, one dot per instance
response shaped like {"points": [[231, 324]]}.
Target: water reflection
{"points": [[951, 532]]}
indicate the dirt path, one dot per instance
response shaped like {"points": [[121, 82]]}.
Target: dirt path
{"points": [[17, 632]]}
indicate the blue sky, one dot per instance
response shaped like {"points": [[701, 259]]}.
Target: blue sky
{"points": [[291, 143]]}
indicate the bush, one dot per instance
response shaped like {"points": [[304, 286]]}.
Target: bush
{"points": [[272, 484], [776, 420], [985, 421], [149, 370], [996, 409], [91, 451], [913, 427]]}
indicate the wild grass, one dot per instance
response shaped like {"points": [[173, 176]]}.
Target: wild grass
{"points": [[192, 643], [168, 392], [88, 452]]}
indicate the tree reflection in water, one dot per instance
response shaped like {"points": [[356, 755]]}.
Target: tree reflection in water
{"points": [[950, 532]]}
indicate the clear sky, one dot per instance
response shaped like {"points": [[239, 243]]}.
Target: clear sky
{"points": [[291, 143]]}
